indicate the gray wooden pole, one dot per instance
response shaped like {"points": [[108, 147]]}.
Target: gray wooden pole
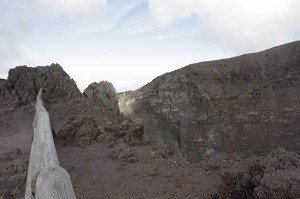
{"points": [[45, 178]]}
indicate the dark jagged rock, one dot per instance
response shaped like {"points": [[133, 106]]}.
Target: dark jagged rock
{"points": [[79, 119], [247, 104], [24, 82], [275, 176], [105, 93]]}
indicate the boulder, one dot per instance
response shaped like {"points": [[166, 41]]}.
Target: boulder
{"points": [[104, 93]]}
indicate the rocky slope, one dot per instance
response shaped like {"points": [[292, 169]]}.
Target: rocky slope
{"points": [[105, 154], [251, 103], [247, 104], [76, 119]]}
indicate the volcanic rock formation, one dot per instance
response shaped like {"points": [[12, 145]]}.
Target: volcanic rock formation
{"points": [[247, 104], [105, 93], [24, 82], [76, 120], [244, 105]]}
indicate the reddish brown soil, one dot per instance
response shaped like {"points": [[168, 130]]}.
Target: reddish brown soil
{"points": [[133, 169], [98, 171], [96, 175]]}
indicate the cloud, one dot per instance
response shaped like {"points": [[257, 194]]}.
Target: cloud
{"points": [[117, 18], [127, 8], [14, 29], [173, 36], [239, 25], [135, 30], [72, 7], [167, 11], [17, 19]]}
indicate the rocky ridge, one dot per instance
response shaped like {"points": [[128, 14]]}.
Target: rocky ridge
{"points": [[24, 82], [78, 118], [77, 121], [248, 104]]}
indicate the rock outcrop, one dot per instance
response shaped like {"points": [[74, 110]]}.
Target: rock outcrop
{"points": [[248, 104], [24, 82], [103, 92], [276, 175]]}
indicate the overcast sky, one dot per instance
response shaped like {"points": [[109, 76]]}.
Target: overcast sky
{"points": [[130, 42]]}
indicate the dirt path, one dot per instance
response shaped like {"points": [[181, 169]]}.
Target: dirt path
{"points": [[96, 175]]}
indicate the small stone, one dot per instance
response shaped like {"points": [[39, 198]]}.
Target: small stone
{"points": [[101, 129]]}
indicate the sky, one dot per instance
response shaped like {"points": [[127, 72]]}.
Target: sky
{"points": [[130, 42]]}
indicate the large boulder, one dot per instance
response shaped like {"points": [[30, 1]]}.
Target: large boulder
{"points": [[104, 93], [248, 104]]}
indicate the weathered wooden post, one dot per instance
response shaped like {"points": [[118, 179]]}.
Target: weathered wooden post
{"points": [[45, 178]]}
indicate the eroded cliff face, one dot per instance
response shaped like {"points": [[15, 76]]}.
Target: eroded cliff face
{"points": [[248, 104]]}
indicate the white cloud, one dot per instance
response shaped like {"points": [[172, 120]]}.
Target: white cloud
{"points": [[127, 7], [238, 25], [110, 20], [14, 29], [72, 7], [172, 36], [17, 22], [166, 11], [135, 30]]}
